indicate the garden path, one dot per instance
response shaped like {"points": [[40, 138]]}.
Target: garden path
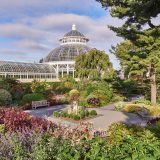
{"points": [[106, 116]]}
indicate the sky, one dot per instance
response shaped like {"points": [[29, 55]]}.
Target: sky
{"points": [[30, 29]]}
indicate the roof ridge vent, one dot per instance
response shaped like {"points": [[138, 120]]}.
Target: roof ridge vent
{"points": [[73, 27]]}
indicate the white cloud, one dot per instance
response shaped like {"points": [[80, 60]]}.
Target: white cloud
{"points": [[96, 30], [20, 55], [39, 35], [18, 30], [31, 44], [12, 55]]}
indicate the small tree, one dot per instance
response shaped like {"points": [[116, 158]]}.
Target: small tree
{"points": [[94, 65]]}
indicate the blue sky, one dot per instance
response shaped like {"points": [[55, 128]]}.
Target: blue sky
{"points": [[30, 29]]}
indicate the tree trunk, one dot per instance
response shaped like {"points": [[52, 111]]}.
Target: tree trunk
{"points": [[153, 86]]}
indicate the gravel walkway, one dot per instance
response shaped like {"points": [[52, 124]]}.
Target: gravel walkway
{"points": [[106, 116]]}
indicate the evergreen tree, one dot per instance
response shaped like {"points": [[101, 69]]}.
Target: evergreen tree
{"points": [[139, 28], [131, 61]]}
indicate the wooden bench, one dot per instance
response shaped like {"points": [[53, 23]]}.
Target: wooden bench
{"points": [[42, 103]]}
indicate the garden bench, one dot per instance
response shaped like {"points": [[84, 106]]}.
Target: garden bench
{"points": [[41, 103]]}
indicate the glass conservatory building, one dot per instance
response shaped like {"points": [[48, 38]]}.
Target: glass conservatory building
{"points": [[27, 71], [59, 61]]}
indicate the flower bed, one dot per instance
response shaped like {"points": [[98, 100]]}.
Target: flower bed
{"points": [[25, 137], [16, 120], [81, 115], [122, 142]]}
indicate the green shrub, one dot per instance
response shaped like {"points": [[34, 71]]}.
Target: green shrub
{"points": [[61, 89], [141, 146], [38, 87], [103, 88], [143, 101], [154, 110], [100, 88], [90, 89], [93, 113], [132, 108], [135, 148], [86, 113], [64, 114], [76, 117], [56, 114], [5, 97], [117, 132], [104, 100], [28, 98], [117, 98], [84, 104], [82, 114], [71, 116]]}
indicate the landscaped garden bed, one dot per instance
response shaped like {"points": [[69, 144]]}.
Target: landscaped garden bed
{"points": [[75, 112], [25, 137], [74, 117], [141, 107], [92, 94]]}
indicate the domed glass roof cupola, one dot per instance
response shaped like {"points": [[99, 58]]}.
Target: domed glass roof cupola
{"points": [[74, 36], [73, 44]]}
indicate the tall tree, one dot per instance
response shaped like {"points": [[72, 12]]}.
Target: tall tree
{"points": [[139, 28], [131, 61], [94, 65]]}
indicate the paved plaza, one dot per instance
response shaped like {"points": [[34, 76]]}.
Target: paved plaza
{"points": [[106, 116]]}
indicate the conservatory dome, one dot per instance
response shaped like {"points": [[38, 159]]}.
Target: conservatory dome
{"points": [[72, 44]]}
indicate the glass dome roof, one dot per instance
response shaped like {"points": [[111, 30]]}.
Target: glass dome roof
{"points": [[73, 44], [66, 52], [74, 33]]}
